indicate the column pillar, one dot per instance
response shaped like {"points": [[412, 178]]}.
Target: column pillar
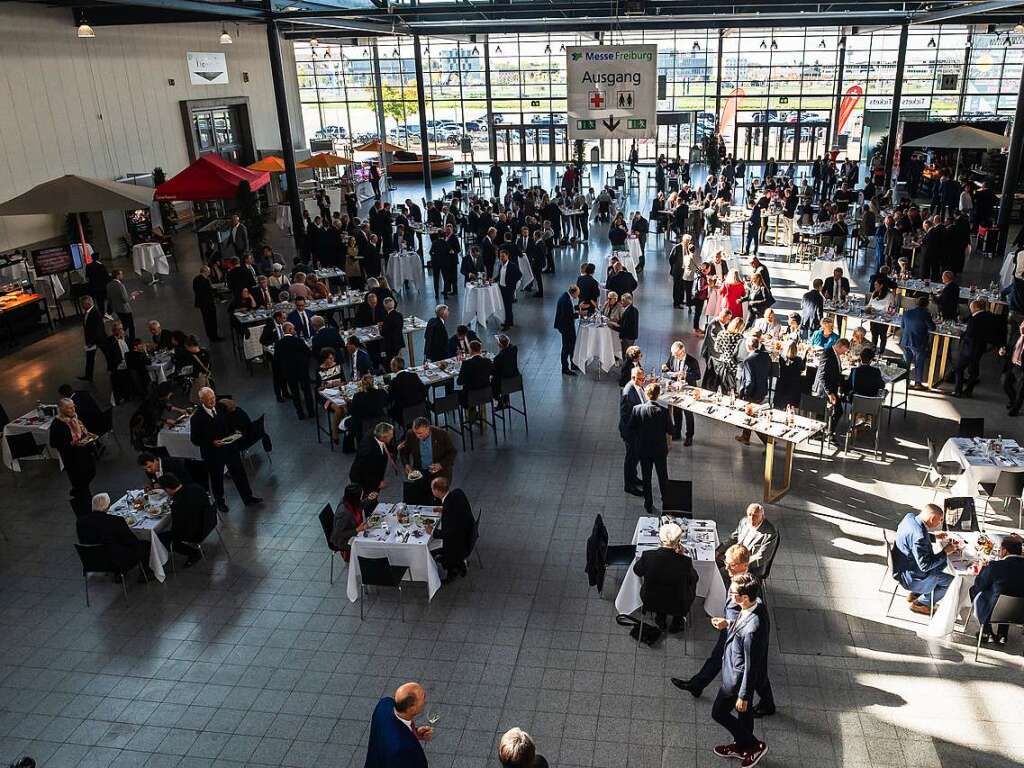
{"points": [[897, 97], [285, 129], [421, 101], [1011, 177]]}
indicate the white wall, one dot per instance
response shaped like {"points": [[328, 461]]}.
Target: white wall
{"points": [[102, 107]]}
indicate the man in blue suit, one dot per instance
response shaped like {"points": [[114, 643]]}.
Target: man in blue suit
{"points": [[302, 319], [565, 324], [999, 577], [356, 363], [394, 736], [632, 396], [915, 338], [915, 564], [744, 668]]}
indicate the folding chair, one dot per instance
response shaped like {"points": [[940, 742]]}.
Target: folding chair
{"points": [[379, 572], [943, 470], [959, 514], [677, 498], [96, 558], [971, 428], [448, 405], [326, 518], [1007, 610]]}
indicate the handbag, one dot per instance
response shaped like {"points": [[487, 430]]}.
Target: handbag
{"points": [[651, 632]]}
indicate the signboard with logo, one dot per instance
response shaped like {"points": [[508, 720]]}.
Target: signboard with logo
{"points": [[906, 102], [612, 91], [207, 68]]}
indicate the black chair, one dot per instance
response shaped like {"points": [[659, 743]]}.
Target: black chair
{"points": [[971, 428], [257, 434], [413, 412], [327, 523], [503, 407], [943, 470], [96, 558], [1007, 610], [891, 570], [474, 538], [211, 527], [379, 572], [870, 407], [620, 555], [816, 407], [481, 399], [677, 498], [448, 405], [959, 514]]}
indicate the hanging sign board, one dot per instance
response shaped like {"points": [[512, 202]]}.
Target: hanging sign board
{"points": [[207, 68], [612, 91]]}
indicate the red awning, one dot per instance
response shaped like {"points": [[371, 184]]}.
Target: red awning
{"points": [[211, 177]]}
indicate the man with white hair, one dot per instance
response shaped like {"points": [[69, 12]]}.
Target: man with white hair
{"points": [[669, 579], [98, 527], [435, 337], [517, 750], [208, 428], [756, 534]]}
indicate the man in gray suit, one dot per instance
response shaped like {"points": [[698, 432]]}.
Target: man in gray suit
{"points": [[239, 237], [756, 534], [120, 302]]}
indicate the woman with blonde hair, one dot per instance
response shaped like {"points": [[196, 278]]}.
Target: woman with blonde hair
{"points": [[612, 309]]}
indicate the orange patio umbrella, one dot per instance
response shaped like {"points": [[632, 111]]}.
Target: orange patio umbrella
{"points": [[378, 146], [324, 160], [271, 163]]}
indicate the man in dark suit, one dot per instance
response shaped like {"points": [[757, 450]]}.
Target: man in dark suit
{"points": [[430, 451], [435, 337], [812, 308], [629, 323], [156, 467], [681, 367], [273, 332], [565, 324], [506, 363], [669, 578], [301, 319], [404, 390], [632, 396], [983, 330], [537, 255], [444, 255], [999, 577], [160, 338], [192, 517], [238, 238], [948, 299], [507, 276], [828, 382], [97, 277], [744, 668], [641, 227], [916, 327], [392, 335], [473, 264], [86, 407], [455, 529], [98, 527], [95, 335], [489, 250], [241, 276], [866, 380], [753, 378], [649, 427], [208, 427], [394, 740], [475, 372], [357, 362], [620, 281], [206, 302], [292, 354], [325, 336], [837, 287], [373, 456]]}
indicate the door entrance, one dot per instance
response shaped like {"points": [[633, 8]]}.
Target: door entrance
{"points": [[798, 136]]}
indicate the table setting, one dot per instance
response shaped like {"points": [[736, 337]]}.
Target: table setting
{"points": [[402, 533], [37, 422], [974, 551], [177, 438], [482, 302], [982, 460], [596, 340], [699, 542], [161, 366], [147, 513], [342, 300]]}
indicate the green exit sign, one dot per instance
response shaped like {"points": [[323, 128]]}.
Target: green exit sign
{"points": [[636, 124], [586, 125]]}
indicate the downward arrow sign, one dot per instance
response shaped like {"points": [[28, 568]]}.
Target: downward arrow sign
{"points": [[611, 123]]}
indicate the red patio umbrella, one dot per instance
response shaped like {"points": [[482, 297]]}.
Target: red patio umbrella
{"points": [[211, 177]]}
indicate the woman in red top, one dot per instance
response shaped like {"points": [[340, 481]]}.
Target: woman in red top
{"points": [[732, 292], [350, 517]]}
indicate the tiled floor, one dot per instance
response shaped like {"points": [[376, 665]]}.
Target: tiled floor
{"points": [[258, 660]]}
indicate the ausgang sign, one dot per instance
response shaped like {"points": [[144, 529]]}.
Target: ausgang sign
{"points": [[612, 91]]}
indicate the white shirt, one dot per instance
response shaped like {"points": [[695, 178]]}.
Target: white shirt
{"points": [[501, 274], [209, 412], [406, 723], [85, 321], [640, 392], [123, 346]]}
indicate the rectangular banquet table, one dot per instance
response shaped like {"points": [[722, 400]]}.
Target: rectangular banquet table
{"points": [[964, 567], [146, 522], [981, 464], [177, 440], [701, 541], [410, 325]]}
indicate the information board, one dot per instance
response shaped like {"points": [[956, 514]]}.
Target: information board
{"points": [[52, 261], [612, 91]]}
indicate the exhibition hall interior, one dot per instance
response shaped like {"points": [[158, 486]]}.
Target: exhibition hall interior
{"points": [[494, 384]]}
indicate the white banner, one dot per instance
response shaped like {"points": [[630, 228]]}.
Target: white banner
{"points": [[612, 91], [207, 68]]}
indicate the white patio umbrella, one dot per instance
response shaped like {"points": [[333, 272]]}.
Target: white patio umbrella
{"points": [[960, 138]]}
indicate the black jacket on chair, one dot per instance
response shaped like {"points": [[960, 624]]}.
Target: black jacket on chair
{"points": [[597, 552], [192, 514], [100, 528], [670, 581]]}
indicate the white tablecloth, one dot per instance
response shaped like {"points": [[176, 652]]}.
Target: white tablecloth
{"points": [[482, 303], [628, 261], [414, 553], [178, 441], [151, 258], [147, 528], [710, 585], [958, 598], [714, 243], [527, 270], [283, 218], [980, 465], [402, 266], [39, 427], [633, 246], [161, 367], [823, 269], [595, 342], [1010, 266]]}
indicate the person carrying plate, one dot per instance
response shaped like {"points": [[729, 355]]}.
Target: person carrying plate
{"points": [[427, 452]]}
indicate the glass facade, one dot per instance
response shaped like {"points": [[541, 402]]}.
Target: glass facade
{"points": [[778, 93]]}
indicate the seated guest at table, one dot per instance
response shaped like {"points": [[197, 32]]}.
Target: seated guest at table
{"points": [[792, 331], [373, 456], [669, 579], [370, 312], [192, 517], [459, 343], [516, 750], [70, 438], [752, 378], [506, 363], [789, 384], [683, 367], [278, 280], [812, 308], [756, 534], [96, 526], [263, 293], [435, 337], [298, 288], [357, 361], [405, 390], [455, 529], [865, 379], [620, 280], [325, 336], [116, 352], [245, 302], [160, 337], [629, 322], [329, 376], [302, 319], [350, 517], [768, 325], [632, 359], [475, 372], [155, 466], [916, 566], [858, 342], [318, 289], [825, 336], [430, 451], [85, 405], [948, 299], [998, 577]]}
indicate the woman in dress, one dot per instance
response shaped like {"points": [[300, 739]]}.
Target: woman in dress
{"points": [[726, 354], [732, 292], [350, 518]]}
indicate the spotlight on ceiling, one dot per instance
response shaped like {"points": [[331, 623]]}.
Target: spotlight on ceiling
{"points": [[225, 38], [85, 31]]}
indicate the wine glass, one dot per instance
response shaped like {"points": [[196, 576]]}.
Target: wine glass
{"points": [[433, 718]]}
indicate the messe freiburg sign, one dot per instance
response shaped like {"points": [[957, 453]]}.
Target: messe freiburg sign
{"points": [[612, 91]]}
